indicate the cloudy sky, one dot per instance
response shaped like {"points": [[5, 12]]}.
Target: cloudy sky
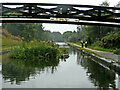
{"points": [[64, 27], [87, 2]]}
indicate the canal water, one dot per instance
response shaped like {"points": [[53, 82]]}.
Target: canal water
{"points": [[0, 72], [77, 71]]}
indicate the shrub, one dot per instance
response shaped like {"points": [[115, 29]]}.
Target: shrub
{"points": [[36, 51], [111, 41], [97, 43], [63, 51], [117, 51]]}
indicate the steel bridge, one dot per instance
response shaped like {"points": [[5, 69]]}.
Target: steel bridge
{"points": [[60, 13]]}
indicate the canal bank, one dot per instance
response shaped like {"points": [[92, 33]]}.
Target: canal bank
{"points": [[4, 52], [78, 71], [110, 60]]}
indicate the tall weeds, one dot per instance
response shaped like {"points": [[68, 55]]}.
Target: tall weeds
{"points": [[36, 51]]}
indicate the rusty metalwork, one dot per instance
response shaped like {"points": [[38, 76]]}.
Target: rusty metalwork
{"points": [[45, 11]]}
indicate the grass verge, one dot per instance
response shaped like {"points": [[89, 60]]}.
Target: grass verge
{"points": [[89, 51], [98, 48]]}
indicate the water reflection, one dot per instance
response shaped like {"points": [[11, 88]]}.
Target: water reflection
{"points": [[15, 71], [0, 74], [72, 50], [98, 75], [62, 44]]}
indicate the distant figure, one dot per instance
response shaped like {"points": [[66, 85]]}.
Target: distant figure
{"points": [[82, 43], [86, 44], [65, 60]]}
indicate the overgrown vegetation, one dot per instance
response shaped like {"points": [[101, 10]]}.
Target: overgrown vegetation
{"points": [[32, 31], [97, 37], [117, 51], [8, 40], [36, 51], [112, 40], [33, 42]]}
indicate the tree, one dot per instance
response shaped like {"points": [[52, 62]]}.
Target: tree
{"points": [[57, 36], [28, 31], [105, 3], [66, 35]]}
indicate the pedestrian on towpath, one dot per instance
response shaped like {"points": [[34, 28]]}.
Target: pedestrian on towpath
{"points": [[82, 43], [86, 44]]}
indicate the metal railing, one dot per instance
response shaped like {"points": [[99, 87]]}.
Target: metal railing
{"points": [[43, 12]]}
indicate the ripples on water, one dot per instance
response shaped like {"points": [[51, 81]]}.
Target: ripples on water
{"points": [[78, 71]]}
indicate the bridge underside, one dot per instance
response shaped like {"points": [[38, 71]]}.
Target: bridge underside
{"points": [[60, 13]]}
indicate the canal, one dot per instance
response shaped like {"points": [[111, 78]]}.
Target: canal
{"points": [[77, 71]]}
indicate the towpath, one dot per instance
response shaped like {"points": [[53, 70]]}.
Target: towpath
{"points": [[103, 53]]}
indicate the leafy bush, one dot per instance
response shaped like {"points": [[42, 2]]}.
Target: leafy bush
{"points": [[97, 43], [117, 51], [36, 51], [111, 41], [63, 51]]}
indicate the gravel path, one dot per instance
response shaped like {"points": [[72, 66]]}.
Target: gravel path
{"points": [[4, 52], [103, 53]]}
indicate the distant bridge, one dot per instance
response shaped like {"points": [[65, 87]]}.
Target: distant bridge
{"points": [[60, 13]]}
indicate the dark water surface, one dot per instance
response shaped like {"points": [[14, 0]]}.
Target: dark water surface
{"points": [[77, 71], [0, 72]]}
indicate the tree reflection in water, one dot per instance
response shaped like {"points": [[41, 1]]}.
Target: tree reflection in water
{"points": [[98, 75], [15, 71]]}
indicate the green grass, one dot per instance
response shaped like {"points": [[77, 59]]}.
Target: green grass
{"points": [[8, 42], [101, 49], [89, 51], [115, 51], [83, 48], [6, 48], [98, 48], [78, 43]]}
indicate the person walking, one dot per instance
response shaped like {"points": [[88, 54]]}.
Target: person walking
{"points": [[86, 44], [82, 43]]}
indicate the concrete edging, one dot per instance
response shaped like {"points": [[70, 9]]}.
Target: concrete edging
{"points": [[4, 52], [105, 62]]}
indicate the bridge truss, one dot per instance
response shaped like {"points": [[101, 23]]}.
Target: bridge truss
{"points": [[60, 13]]}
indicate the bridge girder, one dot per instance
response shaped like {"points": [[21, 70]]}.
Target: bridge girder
{"points": [[105, 16]]}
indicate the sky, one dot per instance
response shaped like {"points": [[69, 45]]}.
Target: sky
{"points": [[64, 27]]}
